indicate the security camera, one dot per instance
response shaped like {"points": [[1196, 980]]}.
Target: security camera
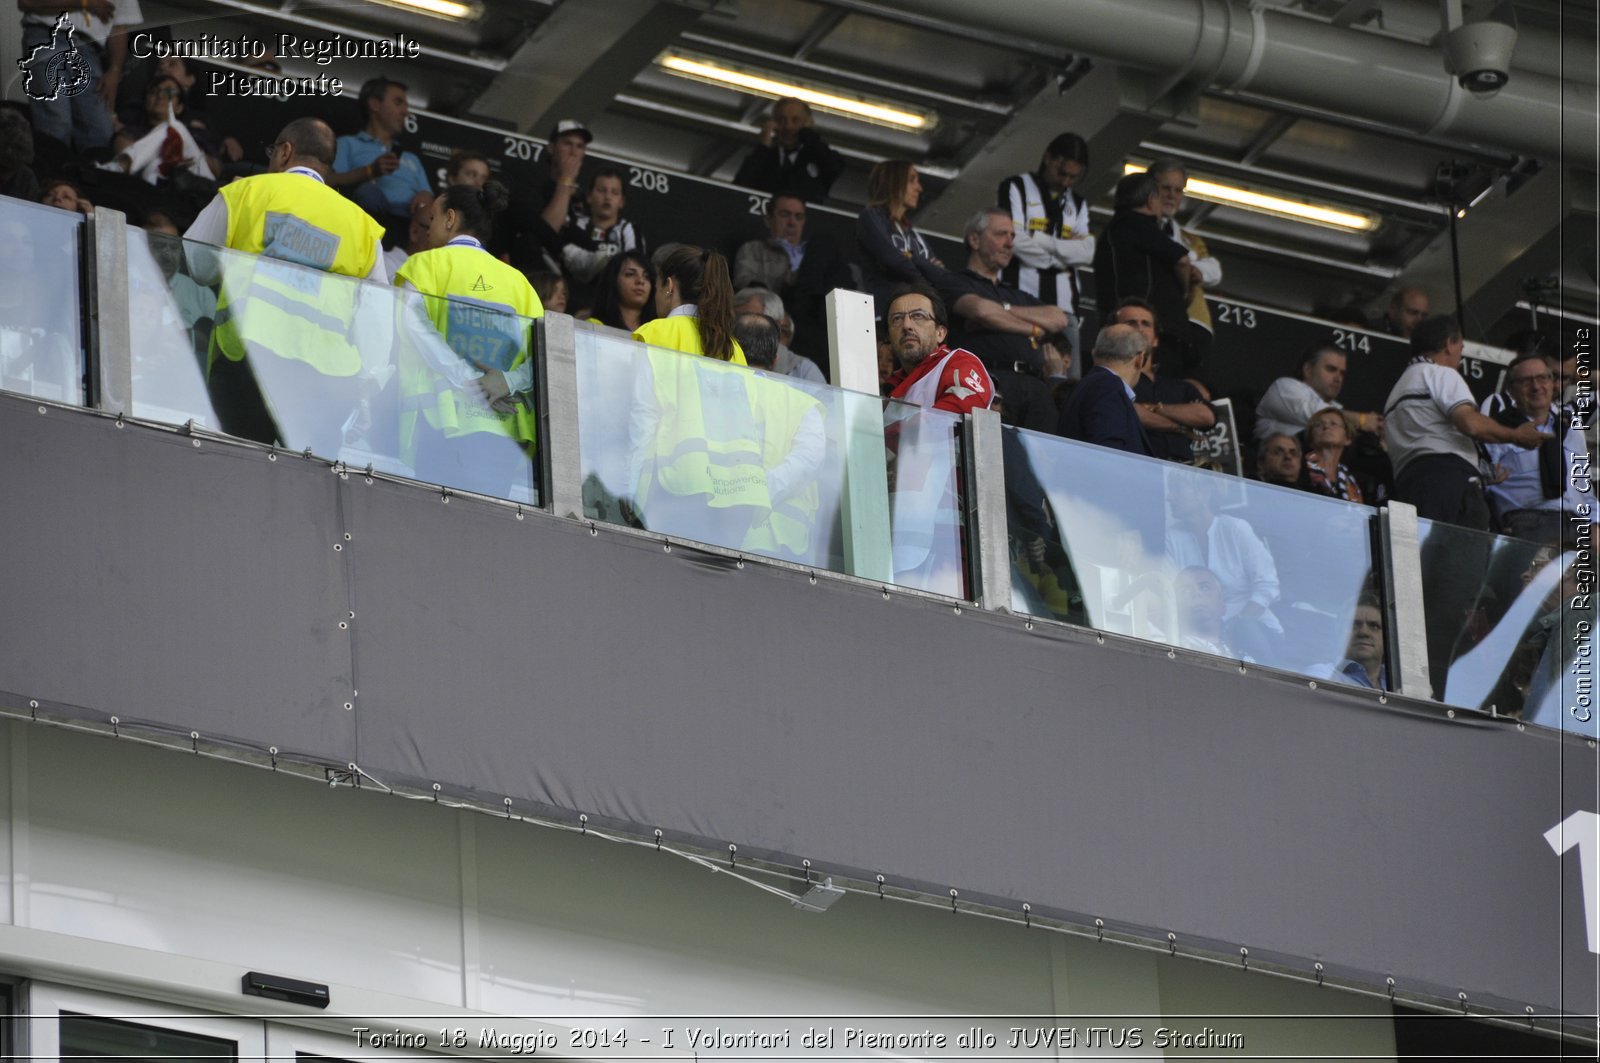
{"points": [[1479, 55]]}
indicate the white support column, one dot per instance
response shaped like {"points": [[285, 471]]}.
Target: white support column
{"points": [[988, 544], [1405, 622], [110, 343], [560, 463], [853, 358]]}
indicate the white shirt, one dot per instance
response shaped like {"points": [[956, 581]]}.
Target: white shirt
{"points": [[1417, 414], [1287, 407], [1522, 488], [1241, 561]]}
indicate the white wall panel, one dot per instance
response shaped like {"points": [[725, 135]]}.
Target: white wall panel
{"points": [[388, 898], [150, 848]]}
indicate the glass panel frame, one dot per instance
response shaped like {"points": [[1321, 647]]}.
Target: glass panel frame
{"points": [[43, 337], [1114, 542], [1503, 625], [382, 386], [764, 464]]}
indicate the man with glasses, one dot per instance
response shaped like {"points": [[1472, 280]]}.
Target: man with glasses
{"points": [[1052, 231], [1542, 487], [931, 374]]}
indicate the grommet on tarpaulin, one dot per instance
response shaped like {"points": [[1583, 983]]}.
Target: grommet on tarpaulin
{"points": [[1027, 914], [583, 820], [519, 511], [1390, 983], [1099, 929], [33, 711], [115, 721], [272, 751], [880, 887], [1529, 1010], [806, 865], [733, 851], [1317, 967], [953, 902], [658, 839], [1463, 998], [306, 453], [1244, 958], [194, 741], [119, 418], [507, 803], [436, 789], [1172, 943], [367, 476], [444, 495]]}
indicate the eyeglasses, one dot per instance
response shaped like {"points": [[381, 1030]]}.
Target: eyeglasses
{"points": [[1535, 379], [273, 148], [920, 317]]}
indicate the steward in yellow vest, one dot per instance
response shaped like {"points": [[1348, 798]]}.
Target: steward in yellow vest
{"points": [[481, 309], [282, 315], [693, 433]]}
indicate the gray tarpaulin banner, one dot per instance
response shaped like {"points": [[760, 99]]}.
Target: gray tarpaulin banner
{"points": [[598, 673]]}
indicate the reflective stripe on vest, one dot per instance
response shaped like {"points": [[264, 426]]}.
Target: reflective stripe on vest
{"points": [[296, 311], [708, 441], [480, 306]]}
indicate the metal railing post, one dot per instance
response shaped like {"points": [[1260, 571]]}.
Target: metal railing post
{"points": [[109, 348], [560, 462], [1405, 621], [853, 357], [988, 538]]}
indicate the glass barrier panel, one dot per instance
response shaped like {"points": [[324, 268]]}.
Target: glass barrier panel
{"points": [[1506, 619], [41, 301], [1192, 558], [925, 499], [772, 465], [362, 373]]}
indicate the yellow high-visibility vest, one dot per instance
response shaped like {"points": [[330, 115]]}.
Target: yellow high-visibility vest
{"points": [[283, 301], [681, 333], [788, 525], [481, 307], [708, 439]]}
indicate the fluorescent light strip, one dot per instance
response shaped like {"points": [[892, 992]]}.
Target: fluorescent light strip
{"points": [[882, 114], [438, 8], [1261, 203]]}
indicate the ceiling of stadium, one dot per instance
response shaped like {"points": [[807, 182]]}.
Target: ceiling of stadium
{"points": [[1327, 101]]}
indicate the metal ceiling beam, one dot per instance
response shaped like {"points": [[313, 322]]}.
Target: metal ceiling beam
{"points": [[1093, 108], [581, 58], [1286, 55], [1502, 240], [1354, 11]]}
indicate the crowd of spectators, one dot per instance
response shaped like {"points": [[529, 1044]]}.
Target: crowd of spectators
{"points": [[1002, 328]]}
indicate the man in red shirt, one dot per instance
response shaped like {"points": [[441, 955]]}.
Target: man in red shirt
{"points": [[931, 374]]}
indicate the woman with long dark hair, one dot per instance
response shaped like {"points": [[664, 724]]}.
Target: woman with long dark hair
{"points": [[480, 307], [625, 292], [892, 252], [694, 306], [696, 465]]}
